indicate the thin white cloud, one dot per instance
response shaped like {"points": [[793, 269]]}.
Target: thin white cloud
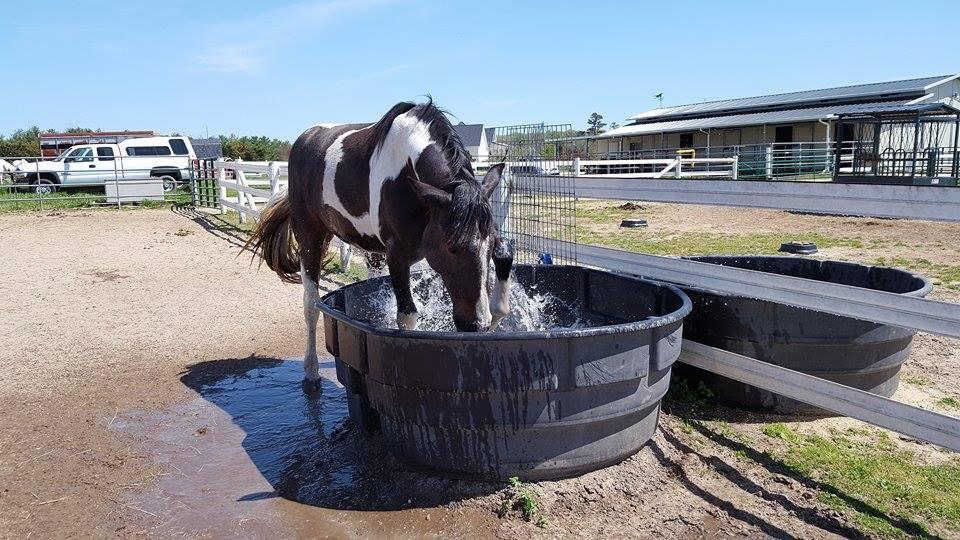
{"points": [[245, 44]]}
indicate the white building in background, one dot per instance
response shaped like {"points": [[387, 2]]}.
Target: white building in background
{"points": [[474, 138], [807, 116]]}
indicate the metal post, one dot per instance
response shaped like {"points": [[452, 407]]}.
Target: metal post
{"points": [[116, 179], [956, 140], [38, 190], [769, 160], [837, 151], [576, 166], [221, 178], [916, 142]]}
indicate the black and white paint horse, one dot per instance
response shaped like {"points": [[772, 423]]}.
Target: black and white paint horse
{"points": [[404, 187]]}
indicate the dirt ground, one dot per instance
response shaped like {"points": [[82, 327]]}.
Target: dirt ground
{"points": [[145, 393]]}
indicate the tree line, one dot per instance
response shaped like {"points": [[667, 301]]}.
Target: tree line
{"points": [[26, 143]]}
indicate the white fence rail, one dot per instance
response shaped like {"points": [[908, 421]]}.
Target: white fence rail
{"points": [[676, 167], [913, 421], [251, 193]]}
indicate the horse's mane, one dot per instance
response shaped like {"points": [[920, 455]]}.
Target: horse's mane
{"points": [[469, 206]]}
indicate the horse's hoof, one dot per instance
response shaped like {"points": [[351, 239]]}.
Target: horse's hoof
{"points": [[312, 388]]}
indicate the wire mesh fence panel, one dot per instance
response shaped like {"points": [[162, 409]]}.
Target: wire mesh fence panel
{"points": [[540, 211]]}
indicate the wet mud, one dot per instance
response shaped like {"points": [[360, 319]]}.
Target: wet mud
{"points": [[256, 455]]}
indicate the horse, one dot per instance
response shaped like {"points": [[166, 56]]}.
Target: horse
{"points": [[402, 187]]}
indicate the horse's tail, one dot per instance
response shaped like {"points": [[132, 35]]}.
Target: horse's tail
{"points": [[273, 240]]}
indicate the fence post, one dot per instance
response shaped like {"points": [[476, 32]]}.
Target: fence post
{"points": [[769, 168], [576, 166], [274, 173], [221, 178], [677, 171], [241, 196], [736, 167]]}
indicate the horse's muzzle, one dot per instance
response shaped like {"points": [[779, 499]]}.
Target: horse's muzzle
{"points": [[467, 327]]}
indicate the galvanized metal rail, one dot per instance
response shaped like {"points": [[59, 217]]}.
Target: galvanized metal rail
{"points": [[883, 307], [939, 429], [886, 201]]}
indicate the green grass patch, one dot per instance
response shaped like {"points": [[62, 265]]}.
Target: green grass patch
{"points": [[691, 398], [521, 501], [355, 272], [885, 490], [699, 243], [945, 275], [949, 402], [916, 381]]}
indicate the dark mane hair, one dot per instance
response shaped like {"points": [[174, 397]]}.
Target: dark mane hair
{"points": [[469, 206], [450, 142]]}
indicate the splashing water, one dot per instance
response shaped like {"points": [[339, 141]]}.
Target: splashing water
{"points": [[530, 310]]}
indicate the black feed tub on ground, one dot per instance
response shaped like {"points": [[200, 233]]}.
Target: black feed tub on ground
{"points": [[861, 354], [542, 404]]}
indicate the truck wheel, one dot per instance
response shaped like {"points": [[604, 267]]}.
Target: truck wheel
{"points": [[169, 182], [43, 186]]}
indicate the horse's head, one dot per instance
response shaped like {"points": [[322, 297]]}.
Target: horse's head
{"points": [[459, 242]]}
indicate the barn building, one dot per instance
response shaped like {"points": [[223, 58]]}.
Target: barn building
{"points": [[795, 117]]}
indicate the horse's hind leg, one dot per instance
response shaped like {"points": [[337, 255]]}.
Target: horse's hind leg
{"points": [[310, 263]]}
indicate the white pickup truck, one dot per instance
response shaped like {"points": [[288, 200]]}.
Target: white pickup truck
{"points": [[166, 158]]}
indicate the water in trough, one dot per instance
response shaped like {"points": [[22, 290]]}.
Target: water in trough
{"points": [[530, 309]]}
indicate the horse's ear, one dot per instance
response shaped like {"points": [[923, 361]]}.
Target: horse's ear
{"points": [[492, 179], [435, 197]]}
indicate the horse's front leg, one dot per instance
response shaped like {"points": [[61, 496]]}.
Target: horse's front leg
{"points": [[500, 298], [407, 317]]}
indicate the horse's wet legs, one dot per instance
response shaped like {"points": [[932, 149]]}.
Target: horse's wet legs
{"points": [[407, 316], [311, 314]]}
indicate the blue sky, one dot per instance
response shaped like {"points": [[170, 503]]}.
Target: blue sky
{"points": [[275, 68]]}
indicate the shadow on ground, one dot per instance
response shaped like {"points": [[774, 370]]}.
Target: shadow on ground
{"points": [[304, 446], [213, 223], [773, 465]]}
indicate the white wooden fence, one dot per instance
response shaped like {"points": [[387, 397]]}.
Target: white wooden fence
{"points": [[251, 193], [678, 167]]}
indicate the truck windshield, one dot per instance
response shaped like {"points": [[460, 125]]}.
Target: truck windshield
{"points": [[71, 152]]}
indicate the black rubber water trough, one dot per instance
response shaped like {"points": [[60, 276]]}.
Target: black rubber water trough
{"points": [[861, 354], [539, 405]]}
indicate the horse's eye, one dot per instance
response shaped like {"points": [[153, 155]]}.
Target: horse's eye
{"points": [[452, 250]]}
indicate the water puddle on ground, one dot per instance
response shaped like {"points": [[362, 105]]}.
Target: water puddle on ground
{"points": [[256, 456]]}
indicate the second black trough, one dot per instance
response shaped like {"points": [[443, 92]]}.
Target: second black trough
{"points": [[861, 354]]}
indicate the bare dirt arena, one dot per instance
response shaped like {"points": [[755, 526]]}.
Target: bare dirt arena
{"points": [[150, 386]]}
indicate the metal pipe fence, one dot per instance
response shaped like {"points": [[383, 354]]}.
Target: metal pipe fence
{"points": [[815, 161], [31, 183]]}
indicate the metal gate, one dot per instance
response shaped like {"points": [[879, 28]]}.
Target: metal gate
{"points": [[541, 215], [205, 190]]}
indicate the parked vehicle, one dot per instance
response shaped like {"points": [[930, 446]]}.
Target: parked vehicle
{"points": [[167, 158]]}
